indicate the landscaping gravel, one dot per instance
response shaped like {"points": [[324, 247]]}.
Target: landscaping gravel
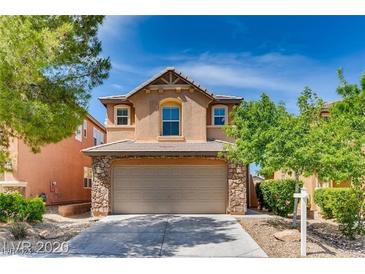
{"points": [[324, 239], [49, 236]]}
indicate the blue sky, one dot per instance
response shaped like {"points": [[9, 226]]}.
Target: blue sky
{"points": [[235, 55]]}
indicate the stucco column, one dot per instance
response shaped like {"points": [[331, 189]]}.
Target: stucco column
{"points": [[101, 186], [237, 175]]}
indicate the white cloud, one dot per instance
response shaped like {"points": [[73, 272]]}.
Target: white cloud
{"points": [[273, 71], [282, 76], [117, 27], [117, 86], [124, 67]]}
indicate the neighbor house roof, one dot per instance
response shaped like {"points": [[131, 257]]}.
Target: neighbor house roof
{"points": [[133, 148], [328, 105], [96, 122], [124, 97]]}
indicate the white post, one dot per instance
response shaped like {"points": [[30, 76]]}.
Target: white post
{"points": [[303, 220]]}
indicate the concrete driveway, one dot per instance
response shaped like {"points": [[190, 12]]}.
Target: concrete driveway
{"points": [[166, 236]]}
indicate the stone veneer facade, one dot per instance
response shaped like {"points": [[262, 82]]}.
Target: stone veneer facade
{"points": [[101, 186]]}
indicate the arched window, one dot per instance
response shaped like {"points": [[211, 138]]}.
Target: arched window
{"points": [[171, 119]]}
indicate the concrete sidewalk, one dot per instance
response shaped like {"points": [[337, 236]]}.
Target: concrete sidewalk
{"points": [[166, 236]]}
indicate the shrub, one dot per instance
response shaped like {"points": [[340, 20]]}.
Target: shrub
{"points": [[277, 195], [345, 205], [35, 209], [19, 230], [13, 206], [323, 198]]}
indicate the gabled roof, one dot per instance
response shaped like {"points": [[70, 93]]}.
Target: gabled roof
{"points": [[96, 122], [161, 73], [185, 78], [133, 148]]}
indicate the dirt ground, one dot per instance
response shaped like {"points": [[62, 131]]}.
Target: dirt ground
{"points": [[49, 236], [324, 239]]}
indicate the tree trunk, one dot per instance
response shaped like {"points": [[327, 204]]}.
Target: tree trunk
{"points": [[295, 211]]}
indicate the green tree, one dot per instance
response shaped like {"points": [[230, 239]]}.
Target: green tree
{"points": [[289, 149], [267, 135], [341, 138], [341, 142], [252, 127], [48, 66]]}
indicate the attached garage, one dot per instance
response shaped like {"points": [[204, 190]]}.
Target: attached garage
{"points": [[168, 177], [169, 188]]}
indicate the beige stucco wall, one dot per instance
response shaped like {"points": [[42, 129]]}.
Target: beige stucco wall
{"points": [[168, 161], [145, 115], [148, 117], [217, 133], [115, 133]]}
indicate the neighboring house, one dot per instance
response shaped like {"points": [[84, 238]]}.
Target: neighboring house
{"points": [[60, 171], [312, 182], [163, 138]]}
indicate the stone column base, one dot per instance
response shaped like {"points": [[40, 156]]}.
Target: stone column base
{"points": [[237, 177]]}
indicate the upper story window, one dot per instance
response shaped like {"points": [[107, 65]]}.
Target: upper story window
{"points": [[98, 137], [78, 133], [84, 129], [122, 115], [219, 115], [171, 120]]}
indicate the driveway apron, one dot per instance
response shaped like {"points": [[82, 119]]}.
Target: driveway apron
{"points": [[165, 236]]}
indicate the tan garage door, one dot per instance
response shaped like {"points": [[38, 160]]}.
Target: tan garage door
{"points": [[169, 189]]}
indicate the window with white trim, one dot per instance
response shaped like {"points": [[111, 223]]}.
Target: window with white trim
{"points": [[219, 117], [98, 137], [170, 121], [121, 115], [78, 133], [87, 177], [84, 129]]}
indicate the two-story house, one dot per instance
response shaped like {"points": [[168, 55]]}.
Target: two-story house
{"points": [[60, 173], [161, 155]]}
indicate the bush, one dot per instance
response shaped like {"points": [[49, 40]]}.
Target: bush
{"points": [[35, 209], [345, 205], [277, 195], [323, 197], [347, 211], [19, 230], [13, 206]]}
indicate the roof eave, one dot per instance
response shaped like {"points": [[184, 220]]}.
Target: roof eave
{"points": [[228, 101], [153, 153], [106, 101], [93, 119]]}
